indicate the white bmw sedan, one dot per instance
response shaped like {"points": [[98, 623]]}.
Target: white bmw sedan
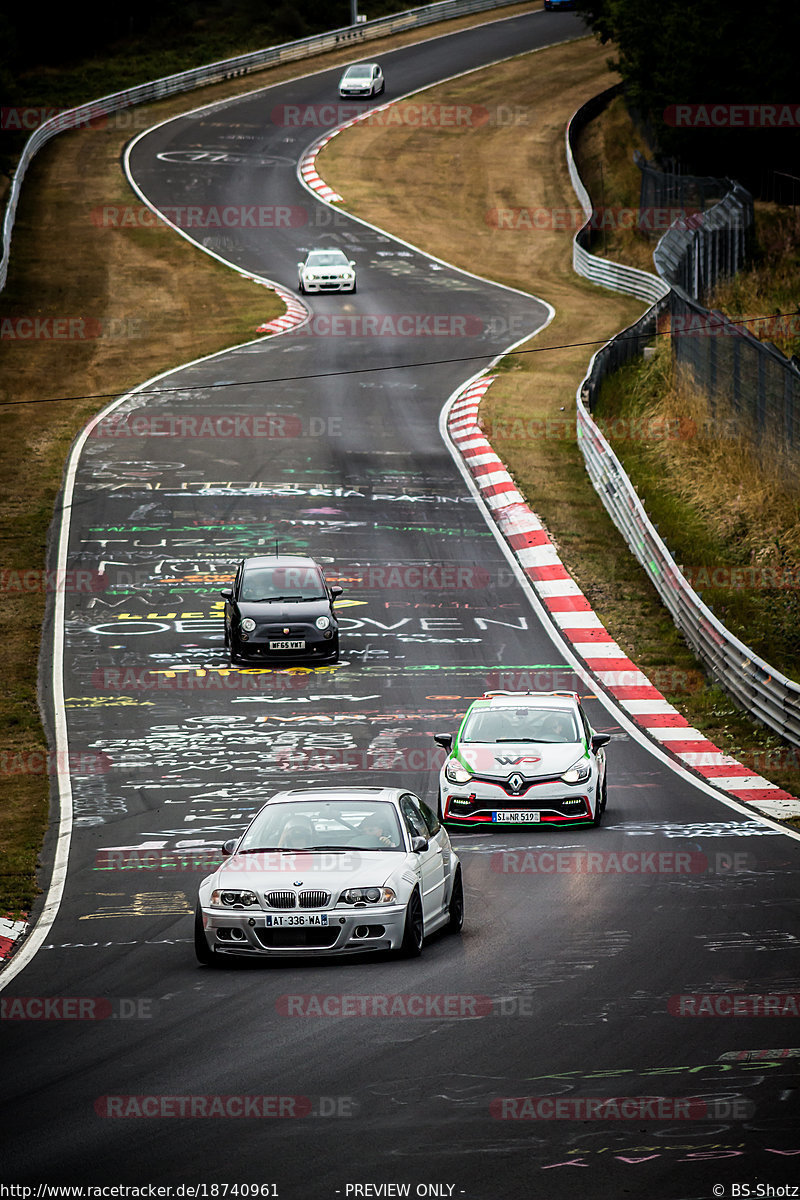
{"points": [[326, 271], [331, 871]]}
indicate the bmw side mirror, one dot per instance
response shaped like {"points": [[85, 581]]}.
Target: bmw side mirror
{"points": [[600, 739], [352, 262], [228, 847], [227, 594], [445, 740], [419, 845]]}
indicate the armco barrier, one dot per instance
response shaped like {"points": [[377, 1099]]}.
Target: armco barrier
{"points": [[752, 683], [602, 271], [230, 68]]}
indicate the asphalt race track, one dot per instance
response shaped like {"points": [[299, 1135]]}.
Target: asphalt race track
{"points": [[566, 983]]}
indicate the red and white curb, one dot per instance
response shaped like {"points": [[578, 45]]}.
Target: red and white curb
{"points": [[308, 164], [10, 934], [310, 176], [582, 628], [296, 313]]}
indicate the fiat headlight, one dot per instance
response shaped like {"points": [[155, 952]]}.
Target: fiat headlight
{"points": [[456, 772], [248, 624], [322, 622], [579, 772]]}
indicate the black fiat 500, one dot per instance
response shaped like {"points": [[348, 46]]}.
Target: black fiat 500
{"points": [[281, 607]]}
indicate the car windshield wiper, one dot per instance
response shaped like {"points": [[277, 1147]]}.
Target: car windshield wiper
{"points": [[259, 849], [333, 847]]}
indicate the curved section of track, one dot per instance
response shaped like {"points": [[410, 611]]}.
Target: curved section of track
{"points": [[564, 984]]}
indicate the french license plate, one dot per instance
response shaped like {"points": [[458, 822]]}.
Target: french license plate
{"points": [[287, 645], [516, 818], [297, 920]]}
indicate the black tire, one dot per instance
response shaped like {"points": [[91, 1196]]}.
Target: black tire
{"points": [[300, 287], [205, 955], [439, 811], [355, 289], [599, 806], [456, 905], [413, 934], [225, 635]]}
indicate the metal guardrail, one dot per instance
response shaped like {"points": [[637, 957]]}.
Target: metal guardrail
{"points": [[230, 68], [766, 693], [633, 282]]}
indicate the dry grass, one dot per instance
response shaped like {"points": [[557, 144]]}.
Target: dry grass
{"points": [[481, 169]]}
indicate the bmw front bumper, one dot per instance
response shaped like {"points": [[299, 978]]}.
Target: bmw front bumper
{"points": [[245, 932]]}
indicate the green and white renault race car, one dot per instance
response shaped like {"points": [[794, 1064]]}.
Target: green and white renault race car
{"points": [[523, 758]]}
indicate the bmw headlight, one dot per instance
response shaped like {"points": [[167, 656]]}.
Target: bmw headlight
{"points": [[230, 898], [322, 622], [370, 895], [456, 772], [579, 772], [248, 624]]}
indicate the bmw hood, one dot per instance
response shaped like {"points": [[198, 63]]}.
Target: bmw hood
{"points": [[529, 759], [329, 871]]}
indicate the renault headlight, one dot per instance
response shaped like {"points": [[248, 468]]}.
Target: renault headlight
{"points": [[579, 772], [456, 772]]}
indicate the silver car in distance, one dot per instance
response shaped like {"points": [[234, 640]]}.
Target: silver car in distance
{"points": [[362, 79], [327, 871]]}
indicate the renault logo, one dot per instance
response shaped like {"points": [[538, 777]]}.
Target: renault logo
{"points": [[516, 782]]}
